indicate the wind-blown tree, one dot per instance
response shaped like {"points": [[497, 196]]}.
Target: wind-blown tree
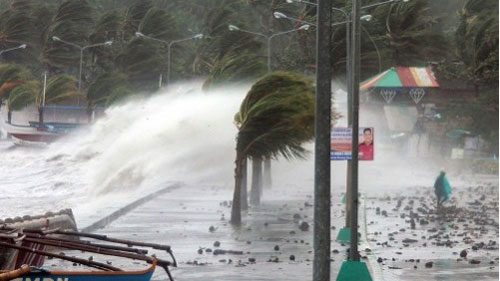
{"points": [[228, 56], [139, 61], [59, 88], [135, 15], [236, 68], [11, 76], [109, 27], [16, 28], [275, 119], [409, 28], [72, 22], [108, 88], [161, 25], [477, 41]]}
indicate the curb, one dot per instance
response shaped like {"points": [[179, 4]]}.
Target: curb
{"points": [[126, 209]]}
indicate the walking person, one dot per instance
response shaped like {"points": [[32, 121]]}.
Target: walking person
{"points": [[442, 189]]}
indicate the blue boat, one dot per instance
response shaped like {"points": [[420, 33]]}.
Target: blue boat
{"points": [[27, 273]]}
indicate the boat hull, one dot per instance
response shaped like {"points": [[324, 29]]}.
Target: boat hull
{"points": [[143, 275], [29, 133]]}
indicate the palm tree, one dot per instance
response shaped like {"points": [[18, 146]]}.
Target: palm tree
{"points": [[141, 62], [72, 22], [108, 88], [221, 46], [235, 68], [58, 88], [15, 28], [477, 41], [477, 48], [135, 15], [409, 29], [275, 119], [11, 76]]}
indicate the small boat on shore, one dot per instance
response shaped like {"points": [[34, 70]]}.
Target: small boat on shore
{"points": [[45, 242], [30, 273], [11, 258], [30, 133], [57, 121]]}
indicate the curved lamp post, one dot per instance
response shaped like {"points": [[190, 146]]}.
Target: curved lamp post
{"points": [[280, 15], [82, 48], [23, 46], [353, 68], [269, 38], [169, 46]]}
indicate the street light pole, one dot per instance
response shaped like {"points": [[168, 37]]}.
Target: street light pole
{"points": [[23, 46], [80, 71], [197, 36], [355, 67], [169, 47], [348, 16], [322, 123], [268, 38], [107, 43], [269, 54]]}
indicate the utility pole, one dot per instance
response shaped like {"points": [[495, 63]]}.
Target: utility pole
{"points": [[353, 269], [349, 119], [322, 123], [355, 63]]}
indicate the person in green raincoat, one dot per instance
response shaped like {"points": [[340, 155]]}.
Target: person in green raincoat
{"points": [[442, 189]]}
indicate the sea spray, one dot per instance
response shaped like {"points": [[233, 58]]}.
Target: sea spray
{"points": [[181, 136]]}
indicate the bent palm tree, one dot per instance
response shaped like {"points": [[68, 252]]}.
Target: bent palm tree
{"points": [[108, 88], [275, 118], [58, 88]]}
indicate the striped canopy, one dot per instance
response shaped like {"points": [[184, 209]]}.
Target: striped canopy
{"points": [[402, 77]]}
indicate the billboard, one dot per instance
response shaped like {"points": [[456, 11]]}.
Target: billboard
{"points": [[341, 142]]}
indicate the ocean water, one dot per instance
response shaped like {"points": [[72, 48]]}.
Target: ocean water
{"points": [[181, 134]]}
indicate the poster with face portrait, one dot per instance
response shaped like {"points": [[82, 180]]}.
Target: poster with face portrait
{"points": [[341, 143]]}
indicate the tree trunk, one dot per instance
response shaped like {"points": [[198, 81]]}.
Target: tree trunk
{"points": [[9, 116], [256, 181], [268, 182], [90, 113], [236, 207], [244, 193], [40, 114]]}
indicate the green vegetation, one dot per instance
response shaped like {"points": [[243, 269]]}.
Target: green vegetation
{"points": [[275, 119]]}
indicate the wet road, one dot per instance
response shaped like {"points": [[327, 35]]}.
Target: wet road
{"points": [[407, 248], [182, 220]]}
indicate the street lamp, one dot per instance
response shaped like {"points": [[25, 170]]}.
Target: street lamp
{"points": [[364, 7], [353, 69], [169, 46], [280, 15], [268, 37], [107, 43], [23, 46]]}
